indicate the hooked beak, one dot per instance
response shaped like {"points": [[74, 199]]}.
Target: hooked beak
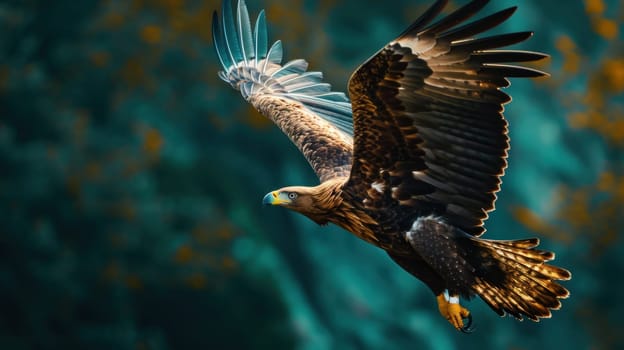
{"points": [[269, 198], [274, 198]]}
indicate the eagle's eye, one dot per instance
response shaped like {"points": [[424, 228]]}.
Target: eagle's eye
{"points": [[292, 195]]}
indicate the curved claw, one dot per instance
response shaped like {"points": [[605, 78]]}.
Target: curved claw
{"points": [[467, 329]]}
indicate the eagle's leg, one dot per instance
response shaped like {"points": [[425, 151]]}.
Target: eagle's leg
{"points": [[439, 245], [455, 313], [417, 267]]}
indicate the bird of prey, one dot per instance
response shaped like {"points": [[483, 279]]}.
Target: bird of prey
{"points": [[412, 162]]}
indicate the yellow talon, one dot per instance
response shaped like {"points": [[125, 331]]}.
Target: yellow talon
{"points": [[453, 312]]}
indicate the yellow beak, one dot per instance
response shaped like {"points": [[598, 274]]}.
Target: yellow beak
{"points": [[275, 198]]}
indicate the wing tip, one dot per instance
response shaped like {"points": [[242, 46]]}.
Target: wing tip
{"points": [[430, 14], [506, 13], [261, 69]]}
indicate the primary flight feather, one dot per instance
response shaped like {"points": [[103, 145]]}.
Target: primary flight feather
{"points": [[413, 163]]}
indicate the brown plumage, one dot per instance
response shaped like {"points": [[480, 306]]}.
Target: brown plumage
{"points": [[328, 150], [419, 169]]}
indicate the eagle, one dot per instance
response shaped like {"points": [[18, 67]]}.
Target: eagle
{"points": [[411, 162]]}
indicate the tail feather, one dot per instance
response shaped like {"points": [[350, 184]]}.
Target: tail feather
{"points": [[514, 279], [540, 292], [527, 243], [500, 302], [504, 301], [530, 307], [536, 280], [528, 260], [526, 249], [490, 296]]}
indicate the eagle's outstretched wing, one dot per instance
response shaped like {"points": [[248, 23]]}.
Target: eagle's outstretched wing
{"points": [[429, 133], [316, 119]]}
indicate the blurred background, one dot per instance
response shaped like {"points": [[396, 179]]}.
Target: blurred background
{"points": [[131, 179]]}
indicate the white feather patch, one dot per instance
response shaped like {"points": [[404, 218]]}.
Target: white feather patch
{"points": [[378, 186], [418, 223]]}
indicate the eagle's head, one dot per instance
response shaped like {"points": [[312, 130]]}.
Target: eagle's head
{"points": [[315, 202], [298, 198]]}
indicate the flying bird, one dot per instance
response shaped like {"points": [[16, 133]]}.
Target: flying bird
{"points": [[412, 160]]}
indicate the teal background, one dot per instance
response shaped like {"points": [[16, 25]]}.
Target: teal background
{"points": [[131, 181]]}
